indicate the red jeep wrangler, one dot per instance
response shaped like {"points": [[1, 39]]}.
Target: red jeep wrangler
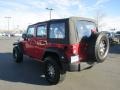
{"points": [[61, 45]]}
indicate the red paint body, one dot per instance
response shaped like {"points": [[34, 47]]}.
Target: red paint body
{"points": [[35, 47]]}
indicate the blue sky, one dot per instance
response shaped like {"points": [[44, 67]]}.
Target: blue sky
{"points": [[113, 7], [24, 12]]}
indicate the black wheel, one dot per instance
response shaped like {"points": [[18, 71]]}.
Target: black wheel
{"points": [[98, 47], [17, 55], [101, 47], [52, 71]]}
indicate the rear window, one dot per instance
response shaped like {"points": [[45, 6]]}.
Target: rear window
{"points": [[85, 28]]}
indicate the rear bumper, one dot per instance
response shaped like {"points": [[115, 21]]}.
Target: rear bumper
{"points": [[71, 66], [74, 67]]}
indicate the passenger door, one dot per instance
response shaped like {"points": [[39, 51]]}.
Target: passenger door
{"points": [[30, 41], [41, 40]]}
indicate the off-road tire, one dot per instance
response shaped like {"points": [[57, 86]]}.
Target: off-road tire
{"points": [[94, 43], [17, 55], [50, 62]]}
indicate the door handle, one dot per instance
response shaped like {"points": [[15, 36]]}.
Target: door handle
{"points": [[43, 42]]}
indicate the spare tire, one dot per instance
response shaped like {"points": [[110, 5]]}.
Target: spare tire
{"points": [[98, 47]]}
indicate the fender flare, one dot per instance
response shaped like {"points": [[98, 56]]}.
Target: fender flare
{"points": [[62, 59], [18, 45], [59, 52]]}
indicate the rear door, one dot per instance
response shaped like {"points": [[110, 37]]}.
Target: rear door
{"points": [[41, 40]]}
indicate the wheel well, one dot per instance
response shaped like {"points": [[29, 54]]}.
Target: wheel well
{"points": [[19, 46], [55, 56]]}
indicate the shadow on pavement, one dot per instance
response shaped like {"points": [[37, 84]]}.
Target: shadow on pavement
{"points": [[27, 72], [115, 49]]}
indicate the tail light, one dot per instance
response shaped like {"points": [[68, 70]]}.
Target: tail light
{"points": [[75, 49]]}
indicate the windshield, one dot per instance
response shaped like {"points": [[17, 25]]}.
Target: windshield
{"points": [[85, 28]]}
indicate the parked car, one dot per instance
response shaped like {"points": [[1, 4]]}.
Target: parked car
{"points": [[117, 36], [61, 45], [111, 36], [18, 34], [118, 33]]}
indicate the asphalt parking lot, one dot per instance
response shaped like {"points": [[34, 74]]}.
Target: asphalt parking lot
{"points": [[28, 75]]}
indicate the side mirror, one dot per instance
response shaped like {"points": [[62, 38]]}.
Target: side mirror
{"points": [[24, 36]]}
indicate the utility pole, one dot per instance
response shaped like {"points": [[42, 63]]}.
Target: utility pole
{"points": [[50, 9], [8, 22]]}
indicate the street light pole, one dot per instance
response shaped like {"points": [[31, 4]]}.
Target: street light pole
{"points": [[8, 22], [50, 9]]}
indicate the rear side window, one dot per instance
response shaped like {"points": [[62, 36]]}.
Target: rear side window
{"points": [[57, 31], [31, 31], [42, 31]]}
